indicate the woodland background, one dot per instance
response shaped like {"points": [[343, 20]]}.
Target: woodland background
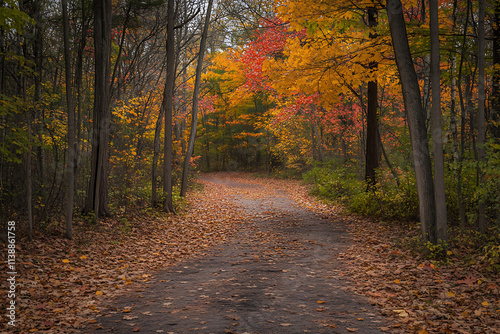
{"points": [[285, 88]]}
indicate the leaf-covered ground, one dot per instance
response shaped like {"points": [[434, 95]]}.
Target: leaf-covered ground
{"points": [[62, 283]]}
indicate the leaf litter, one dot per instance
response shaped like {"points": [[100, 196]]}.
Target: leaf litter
{"points": [[68, 281]]}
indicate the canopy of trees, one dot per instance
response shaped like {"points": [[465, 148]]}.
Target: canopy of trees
{"points": [[104, 104]]}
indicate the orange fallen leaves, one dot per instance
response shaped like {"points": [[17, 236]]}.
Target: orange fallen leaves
{"points": [[101, 256], [428, 298]]}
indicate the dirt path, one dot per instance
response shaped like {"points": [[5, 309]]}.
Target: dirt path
{"points": [[279, 273]]}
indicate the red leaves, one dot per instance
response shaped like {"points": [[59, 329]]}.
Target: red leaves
{"points": [[269, 42]]}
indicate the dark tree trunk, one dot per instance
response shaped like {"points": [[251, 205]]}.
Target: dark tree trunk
{"points": [[156, 156], [495, 98], [481, 126], [437, 136], [461, 205], [372, 160], [416, 120], [97, 196], [71, 125], [169, 106]]}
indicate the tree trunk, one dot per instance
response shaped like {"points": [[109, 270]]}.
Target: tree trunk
{"points": [[416, 120], [384, 154], [437, 135], [71, 125], [169, 106], [321, 154], [453, 108], [453, 92], [97, 196], [29, 176], [2, 58], [481, 126], [78, 86], [371, 163], [156, 156], [194, 116], [461, 205], [495, 98]]}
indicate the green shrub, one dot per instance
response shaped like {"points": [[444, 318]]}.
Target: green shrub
{"points": [[388, 201]]}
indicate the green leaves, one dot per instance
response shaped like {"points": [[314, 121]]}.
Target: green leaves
{"points": [[12, 19]]}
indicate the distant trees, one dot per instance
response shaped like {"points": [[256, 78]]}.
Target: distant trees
{"points": [[325, 69]]}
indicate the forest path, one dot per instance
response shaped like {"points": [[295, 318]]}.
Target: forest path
{"points": [[280, 272]]}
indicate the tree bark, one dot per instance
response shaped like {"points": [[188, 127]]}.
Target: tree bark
{"points": [[169, 106], [71, 125], [495, 98], [371, 163], [416, 120], [156, 155], [437, 135], [481, 126], [97, 196], [78, 86], [194, 118], [29, 174], [461, 206]]}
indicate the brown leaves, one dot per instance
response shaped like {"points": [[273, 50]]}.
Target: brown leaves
{"points": [[420, 296], [64, 283], [72, 279]]}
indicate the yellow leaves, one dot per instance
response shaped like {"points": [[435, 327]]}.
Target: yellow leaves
{"points": [[83, 257], [65, 261], [397, 281], [127, 280], [98, 293], [450, 294]]}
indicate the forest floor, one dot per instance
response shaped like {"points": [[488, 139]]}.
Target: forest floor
{"points": [[249, 255]]}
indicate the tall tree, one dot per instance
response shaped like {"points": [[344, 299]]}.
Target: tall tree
{"points": [[97, 196], [416, 119], [481, 133], [71, 124], [495, 98], [437, 136], [169, 107], [196, 92], [371, 114]]}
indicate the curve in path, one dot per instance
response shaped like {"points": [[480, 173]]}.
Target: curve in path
{"points": [[280, 273]]}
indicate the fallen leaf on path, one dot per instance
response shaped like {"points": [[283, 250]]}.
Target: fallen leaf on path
{"points": [[401, 313]]}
